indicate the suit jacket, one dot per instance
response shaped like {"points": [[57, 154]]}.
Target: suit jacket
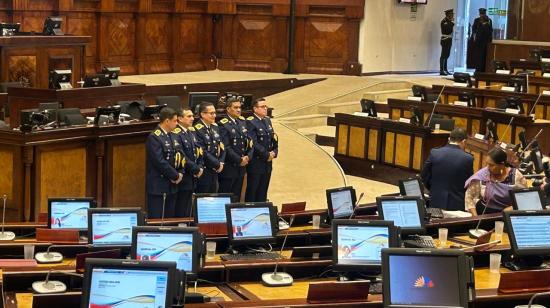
{"points": [[264, 140], [162, 163], [237, 144], [189, 148], [444, 174]]}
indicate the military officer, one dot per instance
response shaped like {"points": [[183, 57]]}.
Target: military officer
{"points": [[447, 25], [209, 139], [266, 146], [162, 165], [482, 36], [238, 147], [193, 169]]}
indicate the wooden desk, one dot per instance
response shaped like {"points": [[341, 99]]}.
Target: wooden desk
{"points": [[363, 140], [30, 58], [492, 80]]}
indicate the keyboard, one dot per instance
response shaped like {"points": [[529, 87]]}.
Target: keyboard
{"points": [[251, 256], [420, 241], [434, 212]]}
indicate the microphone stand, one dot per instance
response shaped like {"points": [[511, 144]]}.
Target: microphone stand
{"points": [[53, 256], [356, 205], [477, 232], [163, 207], [52, 286], [435, 104], [535, 296], [5, 235], [279, 279]]}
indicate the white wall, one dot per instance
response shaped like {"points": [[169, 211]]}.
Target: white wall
{"points": [[390, 40]]}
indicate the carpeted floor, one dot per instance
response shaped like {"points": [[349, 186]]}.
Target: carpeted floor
{"points": [[303, 170]]}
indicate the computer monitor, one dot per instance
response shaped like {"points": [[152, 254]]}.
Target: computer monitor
{"points": [[463, 78], [535, 156], [247, 101], [357, 244], [341, 202], [173, 244], [427, 278], [535, 54], [112, 226], [368, 106], [196, 98], [491, 130], [251, 223], [69, 213], [52, 26], [96, 80], [444, 123], [210, 208], [499, 65], [9, 29], [420, 91], [110, 113], [468, 97], [514, 102], [529, 232], [519, 83], [416, 116], [172, 101], [112, 74], [151, 111], [128, 283], [60, 79], [528, 199], [411, 187], [545, 68], [406, 212]]}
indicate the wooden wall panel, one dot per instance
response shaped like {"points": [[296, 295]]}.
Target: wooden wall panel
{"points": [[342, 142], [153, 38], [192, 42], [60, 177], [403, 153], [6, 173], [389, 150], [128, 177], [357, 142], [373, 144], [84, 24], [117, 45], [417, 156]]}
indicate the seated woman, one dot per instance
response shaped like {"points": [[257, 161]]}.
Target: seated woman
{"points": [[491, 185]]}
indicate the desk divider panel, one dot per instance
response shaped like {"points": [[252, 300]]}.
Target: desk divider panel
{"points": [[501, 129], [417, 154], [357, 142], [342, 141], [127, 174], [373, 144], [539, 112], [403, 152]]}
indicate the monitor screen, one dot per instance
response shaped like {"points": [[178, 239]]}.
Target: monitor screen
{"points": [[530, 232], [253, 224], [341, 202], [210, 208], [361, 244], [174, 245], [140, 285], [112, 228], [69, 213], [403, 212], [431, 281], [411, 187], [528, 199]]}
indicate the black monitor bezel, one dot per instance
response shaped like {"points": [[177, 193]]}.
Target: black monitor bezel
{"points": [[252, 241], [103, 81], [421, 212], [464, 269], [328, 192], [92, 263], [197, 242], [78, 199], [105, 210], [471, 98], [401, 184], [514, 192], [512, 238], [393, 241], [202, 195], [193, 105], [537, 160]]}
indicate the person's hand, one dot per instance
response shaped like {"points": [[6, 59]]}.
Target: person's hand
{"points": [[198, 175], [244, 161], [271, 156], [178, 180], [220, 168]]}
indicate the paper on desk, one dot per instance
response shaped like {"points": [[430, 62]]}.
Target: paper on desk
{"points": [[456, 214]]}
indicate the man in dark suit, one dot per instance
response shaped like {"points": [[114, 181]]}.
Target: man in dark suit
{"points": [[162, 165], [209, 139], [238, 147], [445, 172], [266, 147], [193, 168]]}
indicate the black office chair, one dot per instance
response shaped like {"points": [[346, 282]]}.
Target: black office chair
{"points": [[173, 102]]}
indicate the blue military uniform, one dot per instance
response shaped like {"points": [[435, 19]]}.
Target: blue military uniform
{"points": [[259, 169], [190, 150], [209, 139], [237, 144], [162, 167]]}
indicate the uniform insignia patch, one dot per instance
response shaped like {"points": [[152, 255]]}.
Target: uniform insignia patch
{"points": [[199, 126], [224, 120], [250, 118], [157, 132]]}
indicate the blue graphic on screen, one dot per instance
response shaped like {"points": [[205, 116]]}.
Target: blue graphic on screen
{"points": [[113, 228], [212, 209], [251, 222], [531, 232], [128, 288], [342, 204], [69, 214], [529, 200], [175, 247], [361, 244], [403, 213], [424, 280]]}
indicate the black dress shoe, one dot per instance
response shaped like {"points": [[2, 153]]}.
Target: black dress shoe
{"points": [[442, 73], [448, 73]]}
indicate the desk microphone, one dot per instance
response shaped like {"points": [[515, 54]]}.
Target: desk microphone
{"points": [[508, 127], [163, 207], [532, 299], [534, 105], [356, 205], [5, 235], [52, 286], [279, 279], [477, 232], [53, 256], [435, 104]]}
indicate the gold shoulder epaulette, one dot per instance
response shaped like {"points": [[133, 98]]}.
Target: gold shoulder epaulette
{"points": [[241, 117], [250, 118], [224, 120], [199, 126], [177, 130], [157, 132], [191, 128]]}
